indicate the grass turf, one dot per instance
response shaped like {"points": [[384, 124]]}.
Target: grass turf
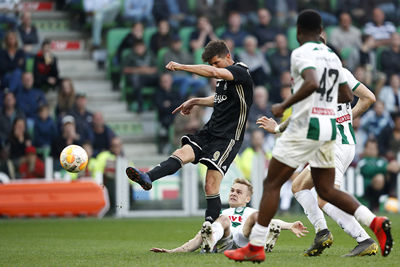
{"points": [[126, 242]]}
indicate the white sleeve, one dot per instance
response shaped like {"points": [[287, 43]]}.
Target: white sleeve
{"points": [[342, 76], [301, 61], [351, 80]]}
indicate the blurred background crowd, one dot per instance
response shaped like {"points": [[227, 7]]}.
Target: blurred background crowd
{"points": [[140, 36]]}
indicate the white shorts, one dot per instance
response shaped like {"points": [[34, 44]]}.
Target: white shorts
{"points": [[235, 240], [319, 154], [344, 155]]}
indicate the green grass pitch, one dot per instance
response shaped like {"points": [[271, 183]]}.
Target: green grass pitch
{"points": [[126, 242]]}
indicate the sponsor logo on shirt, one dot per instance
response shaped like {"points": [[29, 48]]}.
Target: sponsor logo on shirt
{"points": [[235, 218], [220, 98], [323, 111], [343, 118]]}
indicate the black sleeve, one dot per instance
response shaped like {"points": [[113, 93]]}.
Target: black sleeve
{"points": [[240, 74]]}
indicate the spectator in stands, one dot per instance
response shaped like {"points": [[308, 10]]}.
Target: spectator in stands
{"points": [[234, 29], [203, 34], [231, 46], [213, 9], [140, 69], [65, 98], [106, 164], [246, 9], [90, 170], [390, 58], [176, 11], [264, 31], [45, 68], [188, 84], [346, 35], [393, 148], [374, 168], [280, 58], [102, 134], [68, 136], [29, 98], [12, 65], [45, 129], [377, 123], [83, 118], [138, 11], [134, 36], [284, 11], [365, 57], [162, 37], [379, 29], [391, 95], [188, 124], [361, 137], [32, 166], [247, 157], [8, 114], [259, 108], [166, 100], [28, 34], [8, 11], [102, 11], [285, 80], [17, 141], [257, 63]]}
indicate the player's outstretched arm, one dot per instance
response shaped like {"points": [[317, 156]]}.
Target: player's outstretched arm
{"points": [[186, 107], [296, 227], [309, 85], [271, 126], [189, 246], [366, 99], [202, 70]]}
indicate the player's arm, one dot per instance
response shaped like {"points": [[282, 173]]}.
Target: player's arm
{"points": [[296, 227], [345, 94], [366, 99], [309, 86], [189, 246], [271, 126], [202, 70], [187, 106]]}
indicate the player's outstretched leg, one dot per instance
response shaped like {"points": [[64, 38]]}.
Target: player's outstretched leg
{"points": [[139, 177], [167, 167]]}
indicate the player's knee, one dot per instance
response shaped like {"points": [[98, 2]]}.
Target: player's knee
{"points": [[321, 203], [295, 186], [211, 188], [224, 220]]}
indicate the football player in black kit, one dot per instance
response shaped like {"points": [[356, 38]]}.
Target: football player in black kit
{"points": [[218, 142]]}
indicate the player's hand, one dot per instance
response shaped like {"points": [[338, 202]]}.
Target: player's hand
{"points": [[267, 124], [172, 66], [277, 110], [161, 250], [185, 108], [298, 229]]}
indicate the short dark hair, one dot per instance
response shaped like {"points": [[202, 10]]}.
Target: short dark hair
{"points": [[309, 20], [214, 48]]}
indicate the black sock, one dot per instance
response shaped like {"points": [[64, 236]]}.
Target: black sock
{"points": [[167, 167], [213, 207]]}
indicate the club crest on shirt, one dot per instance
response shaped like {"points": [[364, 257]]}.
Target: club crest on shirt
{"points": [[216, 155]]}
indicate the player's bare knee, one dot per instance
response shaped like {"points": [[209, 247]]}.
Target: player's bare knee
{"points": [[296, 186], [321, 203], [185, 153], [211, 188]]}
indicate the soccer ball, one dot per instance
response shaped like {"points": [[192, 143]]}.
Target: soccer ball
{"points": [[392, 205], [73, 158]]}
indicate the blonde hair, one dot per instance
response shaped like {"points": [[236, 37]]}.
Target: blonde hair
{"points": [[245, 182]]}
